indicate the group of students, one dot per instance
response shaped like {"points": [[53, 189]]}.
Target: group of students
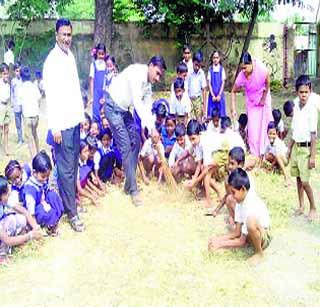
{"points": [[21, 96], [206, 152]]}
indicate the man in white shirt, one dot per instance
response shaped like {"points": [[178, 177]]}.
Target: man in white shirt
{"points": [[132, 89], [65, 111], [8, 56]]}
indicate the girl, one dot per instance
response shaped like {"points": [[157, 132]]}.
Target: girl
{"points": [[187, 59], [111, 71], [216, 81], [168, 135], [84, 172], [85, 126], [13, 224], [96, 76], [44, 204]]}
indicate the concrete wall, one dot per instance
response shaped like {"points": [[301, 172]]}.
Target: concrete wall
{"points": [[135, 44]]}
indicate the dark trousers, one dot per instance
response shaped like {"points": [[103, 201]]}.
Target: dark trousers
{"points": [[18, 122], [127, 140], [67, 159], [107, 164]]}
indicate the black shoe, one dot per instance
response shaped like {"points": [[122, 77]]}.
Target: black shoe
{"points": [[76, 224]]}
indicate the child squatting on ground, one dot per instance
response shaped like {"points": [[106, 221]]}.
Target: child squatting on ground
{"points": [[251, 217]]}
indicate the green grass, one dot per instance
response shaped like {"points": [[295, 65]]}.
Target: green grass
{"points": [[156, 255]]}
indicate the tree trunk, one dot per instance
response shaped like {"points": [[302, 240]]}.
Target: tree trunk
{"points": [[254, 14], [103, 23]]}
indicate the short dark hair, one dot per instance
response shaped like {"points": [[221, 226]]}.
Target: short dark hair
{"points": [[38, 74], [3, 185], [237, 154], [16, 65], [180, 130], [197, 57], [41, 163], [178, 83], [4, 67], [10, 44], [276, 113], [303, 80], [271, 125], [288, 107], [225, 122], [63, 22], [158, 60], [25, 73], [171, 117], [246, 58], [105, 131], [193, 127], [181, 68], [239, 179], [83, 144], [243, 119], [215, 113]]}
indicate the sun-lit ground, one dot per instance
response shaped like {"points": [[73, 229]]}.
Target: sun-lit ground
{"points": [[156, 255]]}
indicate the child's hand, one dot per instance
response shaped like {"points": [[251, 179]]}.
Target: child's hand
{"points": [[102, 101], [36, 234], [312, 163], [218, 98]]}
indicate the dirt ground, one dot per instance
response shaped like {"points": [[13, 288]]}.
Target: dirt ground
{"points": [[156, 255]]}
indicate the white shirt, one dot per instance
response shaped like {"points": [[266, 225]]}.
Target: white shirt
{"points": [[173, 94], [177, 151], [197, 82], [190, 66], [180, 107], [281, 126], [212, 128], [233, 139], [29, 96], [100, 66], [15, 86], [304, 120], [277, 148], [130, 89], [61, 83], [8, 57], [216, 68], [252, 206], [4, 91], [148, 149]]}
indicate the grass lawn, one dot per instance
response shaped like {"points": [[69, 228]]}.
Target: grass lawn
{"points": [[156, 255]]}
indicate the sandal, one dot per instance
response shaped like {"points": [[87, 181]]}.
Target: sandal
{"points": [[76, 224]]}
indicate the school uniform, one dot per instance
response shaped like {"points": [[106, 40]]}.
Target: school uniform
{"points": [[5, 108], [277, 148], [148, 149], [16, 84], [304, 122], [177, 151], [167, 140], [196, 83], [180, 107], [212, 128], [84, 171], [97, 73], [8, 57], [216, 76], [45, 204]]}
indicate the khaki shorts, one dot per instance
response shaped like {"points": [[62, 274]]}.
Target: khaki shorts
{"points": [[220, 158], [196, 108], [5, 111], [30, 127], [300, 163]]}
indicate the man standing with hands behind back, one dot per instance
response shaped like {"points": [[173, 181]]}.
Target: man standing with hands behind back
{"points": [[65, 111]]}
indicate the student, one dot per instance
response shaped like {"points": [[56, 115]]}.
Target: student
{"points": [[281, 130], [97, 79], [180, 104], [16, 83], [242, 128], [107, 160], [149, 155], [84, 189], [30, 96], [231, 137], [182, 72], [216, 81], [187, 59], [168, 135], [251, 217], [8, 57], [42, 203], [186, 167], [95, 130], [197, 87], [13, 225], [160, 109], [276, 152], [302, 146], [85, 126], [215, 122], [5, 108], [288, 108], [111, 72]]}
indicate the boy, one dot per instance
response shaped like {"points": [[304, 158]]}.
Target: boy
{"points": [[302, 146], [182, 72], [276, 152], [288, 108], [4, 106], [180, 104], [197, 87], [251, 217], [30, 96], [16, 83]]}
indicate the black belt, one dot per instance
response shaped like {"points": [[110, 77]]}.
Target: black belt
{"points": [[304, 144]]}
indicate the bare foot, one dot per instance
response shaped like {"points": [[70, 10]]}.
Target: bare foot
{"points": [[312, 215], [256, 259], [299, 211], [208, 204], [146, 180]]}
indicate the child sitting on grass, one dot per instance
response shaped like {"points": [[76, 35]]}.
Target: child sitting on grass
{"points": [[13, 225], [251, 217], [149, 155], [168, 136], [276, 152], [281, 130], [85, 126], [215, 123], [242, 128]]}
